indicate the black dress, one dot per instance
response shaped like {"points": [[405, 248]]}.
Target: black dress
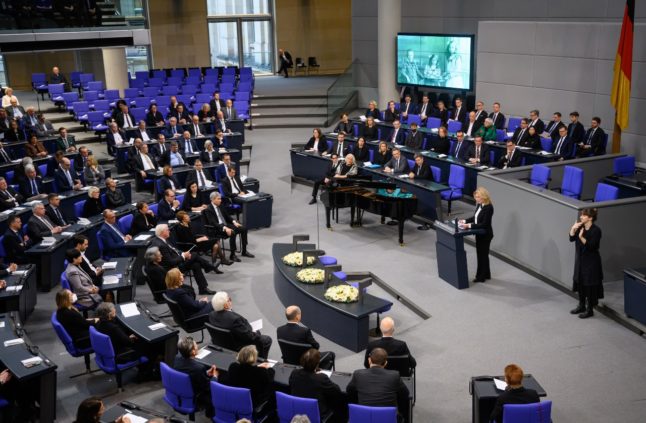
{"points": [[92, 207], [318, 386], [370, 133], [76, 326], [156, 277], [189, 202], [361, 154], [588, 271], [258, 380], [382, 159], [441, 145]]}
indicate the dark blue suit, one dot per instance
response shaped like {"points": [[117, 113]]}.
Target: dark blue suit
{"points": [[464, 148], [168, 131], [113, 244], [164, 211], [188, 303], [62, 184], [412, 108], [26, 190], [183, 142], [566, 149]]}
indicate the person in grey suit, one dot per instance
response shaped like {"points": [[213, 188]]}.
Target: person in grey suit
{"points": [[44, 128], [378, 387], [39, 225], [230, 112], [397, 164], [80, 282]]}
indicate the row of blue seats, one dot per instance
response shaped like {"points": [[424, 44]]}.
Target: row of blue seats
{"points": [[243, 72]]}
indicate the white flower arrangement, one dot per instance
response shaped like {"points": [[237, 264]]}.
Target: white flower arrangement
{"points": [[342, 294], [296, 259], [313, 276]]}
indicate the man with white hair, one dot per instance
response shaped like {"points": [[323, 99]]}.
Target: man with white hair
{"points": [[227, 227], [114, 241], [394, 347], [224, 317], [39, 225], [31, 187], [30, 119], [172, 257]]}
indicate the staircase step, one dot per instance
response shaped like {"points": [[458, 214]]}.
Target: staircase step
{"points": [[288, 115], [275, 97], [285, 122], [287, 102]]}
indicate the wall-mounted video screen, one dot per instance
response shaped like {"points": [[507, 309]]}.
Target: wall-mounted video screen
{"points": [[435, 60]]}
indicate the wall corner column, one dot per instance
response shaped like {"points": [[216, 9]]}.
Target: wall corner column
{"points": [[388, 25]]}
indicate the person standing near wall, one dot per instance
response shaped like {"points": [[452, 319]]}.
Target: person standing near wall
{"points": [[285, 62], [588, 272]]}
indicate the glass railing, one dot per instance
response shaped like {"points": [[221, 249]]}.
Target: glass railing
{"points": [[342, 95], [20, 17]]}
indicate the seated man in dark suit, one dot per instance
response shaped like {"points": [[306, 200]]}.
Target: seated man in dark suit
{"points": [[552, 128], [144, 219], [180, 114], [114, 241], [512, 158], [31, 188], [397, 135], [478, 153], [461, 146], [66, 178], [55, 213], [195, 128], [81, 243], [168, 206], [295, 331], [575, 130], [514, 394], [5, 155], [160, 148], [221, 123], [217, 216], [173, 130], [224, 317], [593, 140], [497, 117], [9, 198], [392, 346], [421, 170], [199, 176], [397, 163], [199, 373], [216, 103], [141, 132], [340, 147], [470, 126], [563, 146], [378, 387], [39, 225], [15, 243], [521, 133], [143, 163], [232, 185], [80, 160], [124, 118], [414, 139], [223, 169], [115, 136], [407, 107], [230, 113], [536, 122], [188, 145]]}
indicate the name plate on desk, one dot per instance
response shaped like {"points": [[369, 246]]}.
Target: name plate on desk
{"points": [[16, 341]]}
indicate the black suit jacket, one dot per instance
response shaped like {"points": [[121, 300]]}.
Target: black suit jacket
{"points": [[576, 132], [480, 118], [205, 157], [192, 177], [596, 141], [484, 220], [6, 202], [214, 107], [415, 140], [513, 396], [61, 180], [152, 119], [474, 129], [514, 161], [2, 157], [138, 162], [539, 125], [567, 148], [335, 148], [343, 127], [37, 230], [295, 332], [553, 129], [394, 347], [191, 129], [499, 122], [321, 147], [484, 154], [239, 326], [170, 255], [165, 211], [461, 153], [370, 134], [77, 327], [399, 138], [121, 342], [517, 138], [391, 116], [196, 371], [164, 183], [14, 247], [185, 299], [121, 119], [228, 189], [49, 211], [257, 379], [361, 155], [377, 387], [79, 164], [211, 218], [460, 116], [423, 171], [306, 384], [141, 223], [441, 145]]}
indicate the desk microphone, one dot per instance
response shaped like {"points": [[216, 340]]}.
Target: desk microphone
{"points": [[129, 405]]}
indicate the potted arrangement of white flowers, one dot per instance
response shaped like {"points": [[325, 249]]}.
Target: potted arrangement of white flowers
{"points": [[313, 276], [296, 259], [342, 294]]}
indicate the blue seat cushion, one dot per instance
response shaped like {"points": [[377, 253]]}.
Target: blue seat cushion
{"points": [[341, 275], [327, 260], [125, 366]]}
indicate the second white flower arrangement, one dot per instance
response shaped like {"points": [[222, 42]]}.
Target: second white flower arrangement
{"points": [[311, 275]]}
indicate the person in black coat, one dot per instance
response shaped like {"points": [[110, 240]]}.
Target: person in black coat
{"points": [[76, 326], [144, 219], [155, 272], [563, 145], [593, 141], [575, 130], [414, 138], [154, 117], [187, 238], [515, 393], [391, 114], [512, 158], [169, 181], [168, 206], [372, 111], [217, 216], [382, 155], [421, 170], [295, 331], [532, 140], [54, 211], [370, 131], [9, 198], [200, 374], [259, 379], [441, 144], [360, 151], [15, 243], [93, 205], [588, 271], [185, 298], [210, 154], [344, 125], [441, 112], [317, 143], [394, 347], [478, 153], [308, 382], [481, 220]]}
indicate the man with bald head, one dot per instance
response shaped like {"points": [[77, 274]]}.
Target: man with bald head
{"points": [[66, 178], [295, 331], [393, 347]]}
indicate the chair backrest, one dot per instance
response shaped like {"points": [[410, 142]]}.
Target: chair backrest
{"points": [[177, 73], [131, 92], [95, 85], [111, 95], [90, 96], [414, 119], [103, 351], [500, 135], [540, 412], [125, 222], [192, 80], [102, 105], [3, 253], [437, 173], [65, 284], [401, 363], [365, 414], [292, 351], [606, 192], [454, 126], [62, 334], [151, 91], [78, 208], [174, 80], [288, 406], [56, 89], [38, 79], [540, 176], [514, 122], [222, 337], [176, 310], [179, 391], [153, 207], [195, 72], [433, 122], [170, 90], [411, 164], [624, 166], [456, 177], [231, 404], [572, 182], [546, 143], [70, 97]]}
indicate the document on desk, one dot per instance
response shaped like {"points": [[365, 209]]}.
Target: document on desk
{"points": [[327, 373], [142, 237], [157, 326], [136, 419], [14, 288], [7, 212], [110, 280], [500, 385], [19, 272], [271, 363], [129, 310], [249, 194], [109, 265], [67, 234], [31, 362], [256, 325], [31, 203], [180, 191], [203, 353], [15, 341], [442, 156], [48, 241], [243, 178]]}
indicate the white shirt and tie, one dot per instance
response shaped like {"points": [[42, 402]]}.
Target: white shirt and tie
{"points": [[589, 140], [127, 122], [197, 130], [509, 157], [118, 231], [457, 113], [162, 148], [188, 146], [559, 145], [339, 149], [235, 189], [8, 195], [117, 138], [478, 114], [144, 135], [223, 125], [85, 259], [423, 111], [148, 164], [495, 116], [5, 155], [201, 179], [219, 215], [69, 177], [394, 136], [470, 129], [520, 135], [46, 222]]}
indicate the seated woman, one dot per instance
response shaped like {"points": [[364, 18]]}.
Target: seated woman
{"points": [[80, 282], [209, 155], [532, 140], [193, 200], [186, 236], [360, 151], [93, 172], [8, 97], [372, 111], [154, 117], [308, 382], [144, 219], [185, 298], [383, 155], [441, 112], [391, 114], [169, 181], [14, 133], [34, 148], [93, 205], [114, 197], [72, 320], [259, 379], [441, 144], [155, 272], [205, 113], [370, 130], [219, 141], [92, 409], [317, 143], [344, 125], [488, 131]]}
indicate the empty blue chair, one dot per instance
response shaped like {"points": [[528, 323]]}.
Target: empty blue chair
{"points": [[85, 79], [170, 90], [456, 185], [56, 92], [189, 90], [454, 126], [139, 113], [514, 122], [433, 122], [540, 176], [500, 135], [187, 99], [90, 96], [125, 222], [246, 96], [150, 91], [153, 207], [177, 73], [174, 80], [414, 119], [229, 70], [66, 339], [208, 89], [158, 73], [101, 105], [140, 102], [211, 79], [131, 92], [546, 143], [78, 208], [39, 81], [179, 391], [540, 412], [8, 176], [411, 164], [231, 404], [192, 80], [229, 79], [624, 166], [156, 82], [95, 86], [105, 357], [226, 87], [606, 192], [96, 121], [572, 183], [365, 414], [437, 173], [242, 107], [138, 84], [288, 406], [245, 86], [69, 99], [194, 72], [203, 98]]}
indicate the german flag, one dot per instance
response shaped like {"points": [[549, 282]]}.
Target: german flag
{"points": [[620, 97]]}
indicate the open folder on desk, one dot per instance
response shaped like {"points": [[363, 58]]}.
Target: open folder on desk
{"points": [[129, 310]]}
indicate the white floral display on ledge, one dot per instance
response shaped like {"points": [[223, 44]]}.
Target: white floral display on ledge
{"points": [[342, 294], [296, 259], [311, 275]]}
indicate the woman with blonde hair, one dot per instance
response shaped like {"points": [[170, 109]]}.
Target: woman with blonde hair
{"points": [[93, 172], [93, 205], [8, 97], [184, 296], [259, 379], [481, 220], [77, 327]]}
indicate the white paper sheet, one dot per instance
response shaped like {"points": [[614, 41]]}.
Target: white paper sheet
{"points": [[30, 362], [256, 325], [136, 419], [109, 265], [129, 310], [500, 385], [203, 353], [110, 280], [157, 326], [15, 341], [20, 272], [142, 237], [327, 373]]}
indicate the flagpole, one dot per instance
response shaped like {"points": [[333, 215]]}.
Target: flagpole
{"points": [[616, 138]]}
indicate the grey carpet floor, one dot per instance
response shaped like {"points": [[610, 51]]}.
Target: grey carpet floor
{"points": [[593, 370]]}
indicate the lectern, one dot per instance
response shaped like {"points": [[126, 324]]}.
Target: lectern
{"points": [[451, 257]]}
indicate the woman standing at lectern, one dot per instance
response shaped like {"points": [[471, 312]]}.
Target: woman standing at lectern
{"points": [[481, 220], [588, 273]]}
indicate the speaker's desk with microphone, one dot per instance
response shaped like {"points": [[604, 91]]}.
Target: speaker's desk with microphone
{"points": [[451, 257]]}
